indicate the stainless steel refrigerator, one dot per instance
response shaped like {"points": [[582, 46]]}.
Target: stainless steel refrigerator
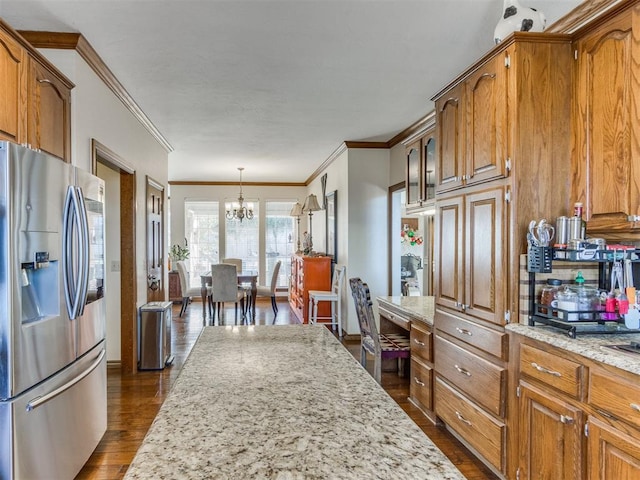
{"points": [[53, 402]]}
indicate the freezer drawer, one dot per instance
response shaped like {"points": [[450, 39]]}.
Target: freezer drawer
{"points": [[52, 429]]}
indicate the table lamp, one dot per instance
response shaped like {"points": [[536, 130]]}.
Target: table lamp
{"points": [[296, 211], [311, 205]]}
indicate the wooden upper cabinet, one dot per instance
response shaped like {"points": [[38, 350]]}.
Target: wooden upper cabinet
{"points": [[49, 112], [606, 146], [13, 93], [420, 168], [450, 139], [486, 122]]}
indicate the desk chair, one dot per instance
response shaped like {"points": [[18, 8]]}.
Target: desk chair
{"points": [[187, 291], [381, 346], [334, 296], [270, 291], [224, 288]]}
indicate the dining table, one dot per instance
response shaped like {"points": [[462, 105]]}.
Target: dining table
{"points": [[244, 277]]}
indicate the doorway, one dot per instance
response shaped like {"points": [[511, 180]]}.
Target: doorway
{"points": [[121, 291]]}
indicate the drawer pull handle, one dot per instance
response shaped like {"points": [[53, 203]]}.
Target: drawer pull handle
{"points": [[463, 370], [418, 342], [464, 331], [635, 406], [462, 419], [418, 381], [545, 370]]}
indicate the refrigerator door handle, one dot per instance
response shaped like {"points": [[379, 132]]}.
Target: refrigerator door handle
{"points": [[73, 271], [67, 253], [38, 401], [84, 252]]}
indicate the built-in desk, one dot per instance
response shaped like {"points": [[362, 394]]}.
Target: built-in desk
{"points": [[282, 402], [415, 314]]}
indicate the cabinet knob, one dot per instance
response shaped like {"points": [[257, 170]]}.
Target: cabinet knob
{"points": [[463, 371], [415, 379], [418, 342]]}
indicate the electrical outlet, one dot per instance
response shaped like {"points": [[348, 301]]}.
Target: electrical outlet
{"points": [[115, 265]]}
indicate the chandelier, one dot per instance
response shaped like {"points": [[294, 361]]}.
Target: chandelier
{"points": [[240, 211]]}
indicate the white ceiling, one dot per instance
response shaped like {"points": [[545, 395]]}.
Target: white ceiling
{"points": [[276, 86]]}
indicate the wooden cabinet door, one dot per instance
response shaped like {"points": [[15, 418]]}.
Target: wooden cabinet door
{"points": [[449, 250], [613, 455], [486, 122], [49, 112], [13, 94], [606, 149], [550, 436], [450, 139], [486, 255]]}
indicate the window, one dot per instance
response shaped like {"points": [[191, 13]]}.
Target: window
{"points": [[280, 240], [242, 240], [202, 225]]}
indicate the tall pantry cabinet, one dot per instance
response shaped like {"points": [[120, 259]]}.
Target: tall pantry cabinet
{"points": [[503, 139]]}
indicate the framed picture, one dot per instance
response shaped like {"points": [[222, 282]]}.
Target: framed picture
{"points": [[331, 202]]}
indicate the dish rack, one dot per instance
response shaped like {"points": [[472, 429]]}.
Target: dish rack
{"points": [[540, 260]]}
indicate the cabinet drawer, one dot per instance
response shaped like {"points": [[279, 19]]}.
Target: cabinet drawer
{"points": [[491, 341], [421, 342], [480, 379], [400, 320], [483, 432], [615, 395], [421, 384], [557, 372]]}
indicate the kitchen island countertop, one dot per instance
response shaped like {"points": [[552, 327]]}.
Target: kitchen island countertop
{"points": [[282, 402]]}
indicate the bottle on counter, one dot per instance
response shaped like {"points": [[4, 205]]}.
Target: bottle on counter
{"points": [[548, 295]]}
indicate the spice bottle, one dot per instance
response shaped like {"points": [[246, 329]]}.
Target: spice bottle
{"points": [[548, 295]]}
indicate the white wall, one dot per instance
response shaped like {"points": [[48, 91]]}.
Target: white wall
{"points": [[97, 113], [397, 162]]}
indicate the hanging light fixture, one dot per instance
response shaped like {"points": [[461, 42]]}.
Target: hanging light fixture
{"points": [[240, 212], [310, 205], [296, 211]]}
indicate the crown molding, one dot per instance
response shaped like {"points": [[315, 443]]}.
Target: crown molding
{"points": [[235, 184], [77, 42]]}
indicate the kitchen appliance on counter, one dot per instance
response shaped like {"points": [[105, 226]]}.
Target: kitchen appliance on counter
{"points": [[53, 404]]}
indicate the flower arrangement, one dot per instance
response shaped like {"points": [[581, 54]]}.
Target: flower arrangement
{"points": [[178, 252], [410, 236]]}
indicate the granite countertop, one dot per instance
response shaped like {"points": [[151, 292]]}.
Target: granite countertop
{"points": [[588, 345], [421, 308], [282, 402]]}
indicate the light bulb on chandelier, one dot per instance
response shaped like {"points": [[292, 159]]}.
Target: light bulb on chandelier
{"points": [[239, 211]]}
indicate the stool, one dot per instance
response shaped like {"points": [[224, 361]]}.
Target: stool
{"points": [[334, 296]]}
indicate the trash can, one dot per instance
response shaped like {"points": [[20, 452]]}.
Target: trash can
{"points": [[154, 336]]}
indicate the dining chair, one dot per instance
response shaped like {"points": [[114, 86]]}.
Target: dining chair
{"points": [[334, 296], [270, 290], [381, 346], [233, 261], [224, 288], [187, 291]]}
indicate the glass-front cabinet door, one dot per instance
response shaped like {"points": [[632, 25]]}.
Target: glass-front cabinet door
{"points": [[414, 174]]}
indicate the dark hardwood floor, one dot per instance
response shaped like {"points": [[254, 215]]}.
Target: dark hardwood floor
{"points": [[134, 400]]}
